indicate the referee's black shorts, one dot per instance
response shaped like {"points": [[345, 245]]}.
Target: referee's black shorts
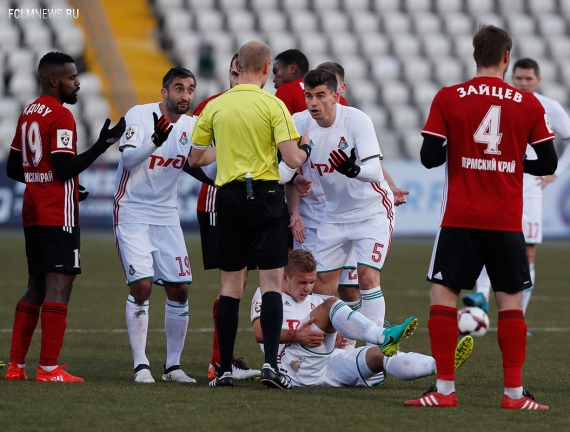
{"points": [[52, 249], [459, 255], [208, 222], [251, 226]]}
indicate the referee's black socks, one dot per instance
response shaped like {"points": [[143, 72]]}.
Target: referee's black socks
{"points": [[228, 318], [271, 319]]}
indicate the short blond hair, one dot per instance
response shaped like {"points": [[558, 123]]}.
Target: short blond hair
{"points": [[300, 260], [253, 55]]}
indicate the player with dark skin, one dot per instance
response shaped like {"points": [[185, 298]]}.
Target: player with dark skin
{"points": [[62, 84]]}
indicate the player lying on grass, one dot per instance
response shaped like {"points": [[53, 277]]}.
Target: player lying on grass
{"points": [[309, 338]]}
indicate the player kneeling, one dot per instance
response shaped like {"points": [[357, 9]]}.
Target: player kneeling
{"points": [[309, 340]]}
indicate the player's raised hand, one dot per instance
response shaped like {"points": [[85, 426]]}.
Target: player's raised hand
{"points": [[108, 137], [344, 164], [307, 336], [162, 128]]}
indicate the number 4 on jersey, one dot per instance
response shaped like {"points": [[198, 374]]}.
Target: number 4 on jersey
{"points": [[488, 131]]}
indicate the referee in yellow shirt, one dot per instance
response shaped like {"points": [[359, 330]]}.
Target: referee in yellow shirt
{"points": [[249, 125]]}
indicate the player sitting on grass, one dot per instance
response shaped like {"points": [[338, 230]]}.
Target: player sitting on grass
{"points": [[309, 337]]}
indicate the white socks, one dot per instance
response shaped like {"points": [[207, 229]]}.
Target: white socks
{"points": [[409, 366], [445, 387], [137, 326], [484, 283], [373, 305], [175, 325], [354, 325], [514, 392]]}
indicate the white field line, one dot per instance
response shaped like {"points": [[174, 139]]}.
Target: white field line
{"points": [[249, 330]]}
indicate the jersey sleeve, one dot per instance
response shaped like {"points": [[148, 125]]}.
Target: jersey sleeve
{"points": [[282, 124], [285, 94], [134, 134], [63, 133], [541, 130], [559, 120], [256, 305], [17, 141], [435, 124], [366, 142], [203, 133]]}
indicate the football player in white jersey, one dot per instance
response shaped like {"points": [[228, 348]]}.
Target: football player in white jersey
{"points": [[306, 215], [147, 228], [358, 212], [309, 338], [526, 77]]}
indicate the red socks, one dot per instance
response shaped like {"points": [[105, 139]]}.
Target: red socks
{"points": [[53, 329], [512, 340], [443, 334], [25, 322]]}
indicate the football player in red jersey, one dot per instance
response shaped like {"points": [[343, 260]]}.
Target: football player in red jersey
{"points": [[43, 155], [487, 124], [289, 68]]}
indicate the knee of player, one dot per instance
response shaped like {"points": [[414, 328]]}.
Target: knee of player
{"points": [[328, 303], [141, 290]]}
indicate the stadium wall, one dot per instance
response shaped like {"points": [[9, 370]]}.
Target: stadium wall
{"points": [[419, 217]]}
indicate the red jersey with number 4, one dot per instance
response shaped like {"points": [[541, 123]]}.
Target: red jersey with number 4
{"points": [[46, 127], [487, 124], [293, 96]]}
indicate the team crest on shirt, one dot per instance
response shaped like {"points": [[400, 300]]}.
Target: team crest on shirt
{"points": [[311, 143], [64, 139], [548, 125], [132, 270], [183, 139], [132, 133], [342, 144]]}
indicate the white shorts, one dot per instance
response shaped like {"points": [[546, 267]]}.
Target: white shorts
{"points": [[368, 240], [532, 219], [349, 276], [341, 368], [153, 251]]}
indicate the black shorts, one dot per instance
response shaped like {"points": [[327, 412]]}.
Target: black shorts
{"points": [[51, 249], [209, 241], [459, 255], [251, 226]]}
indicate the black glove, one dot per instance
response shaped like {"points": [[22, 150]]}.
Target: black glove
{"points": [[162, 128], [344, 164], [307, 149], [108, 137], [82, 193]]}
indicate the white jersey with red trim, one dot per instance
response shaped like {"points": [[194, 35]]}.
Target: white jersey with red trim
{"points": [[147, 193], [560, 123], [293, 312], [346, 199]]}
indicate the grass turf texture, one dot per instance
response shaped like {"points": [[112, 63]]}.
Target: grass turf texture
{"points": [[96, 347]]}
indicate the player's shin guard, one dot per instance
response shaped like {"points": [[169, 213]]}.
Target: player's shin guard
{"points": [[137, 326], [271, 319], [175, 324], [228, 318], [354, 325], [373, 305], [511, 334], [53, 317], [25, 323], [409, 366], [443, 334]]}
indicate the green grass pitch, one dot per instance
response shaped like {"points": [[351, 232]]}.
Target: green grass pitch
{"points": [[96, 348]]}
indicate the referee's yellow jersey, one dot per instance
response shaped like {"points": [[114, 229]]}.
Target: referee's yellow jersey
{"points": [[246, 123]]}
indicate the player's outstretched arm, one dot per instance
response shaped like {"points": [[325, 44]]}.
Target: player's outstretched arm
{"points": [[67, 166], [433, 153], [546, 161], [198, 173], [293, 155], [14, 168], [399, 193]]}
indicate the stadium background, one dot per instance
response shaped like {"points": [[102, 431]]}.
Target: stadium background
{"points": [[396, 53]]}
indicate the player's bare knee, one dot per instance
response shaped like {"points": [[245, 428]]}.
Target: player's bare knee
{"points": [[177, 292], [348, 293]]}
